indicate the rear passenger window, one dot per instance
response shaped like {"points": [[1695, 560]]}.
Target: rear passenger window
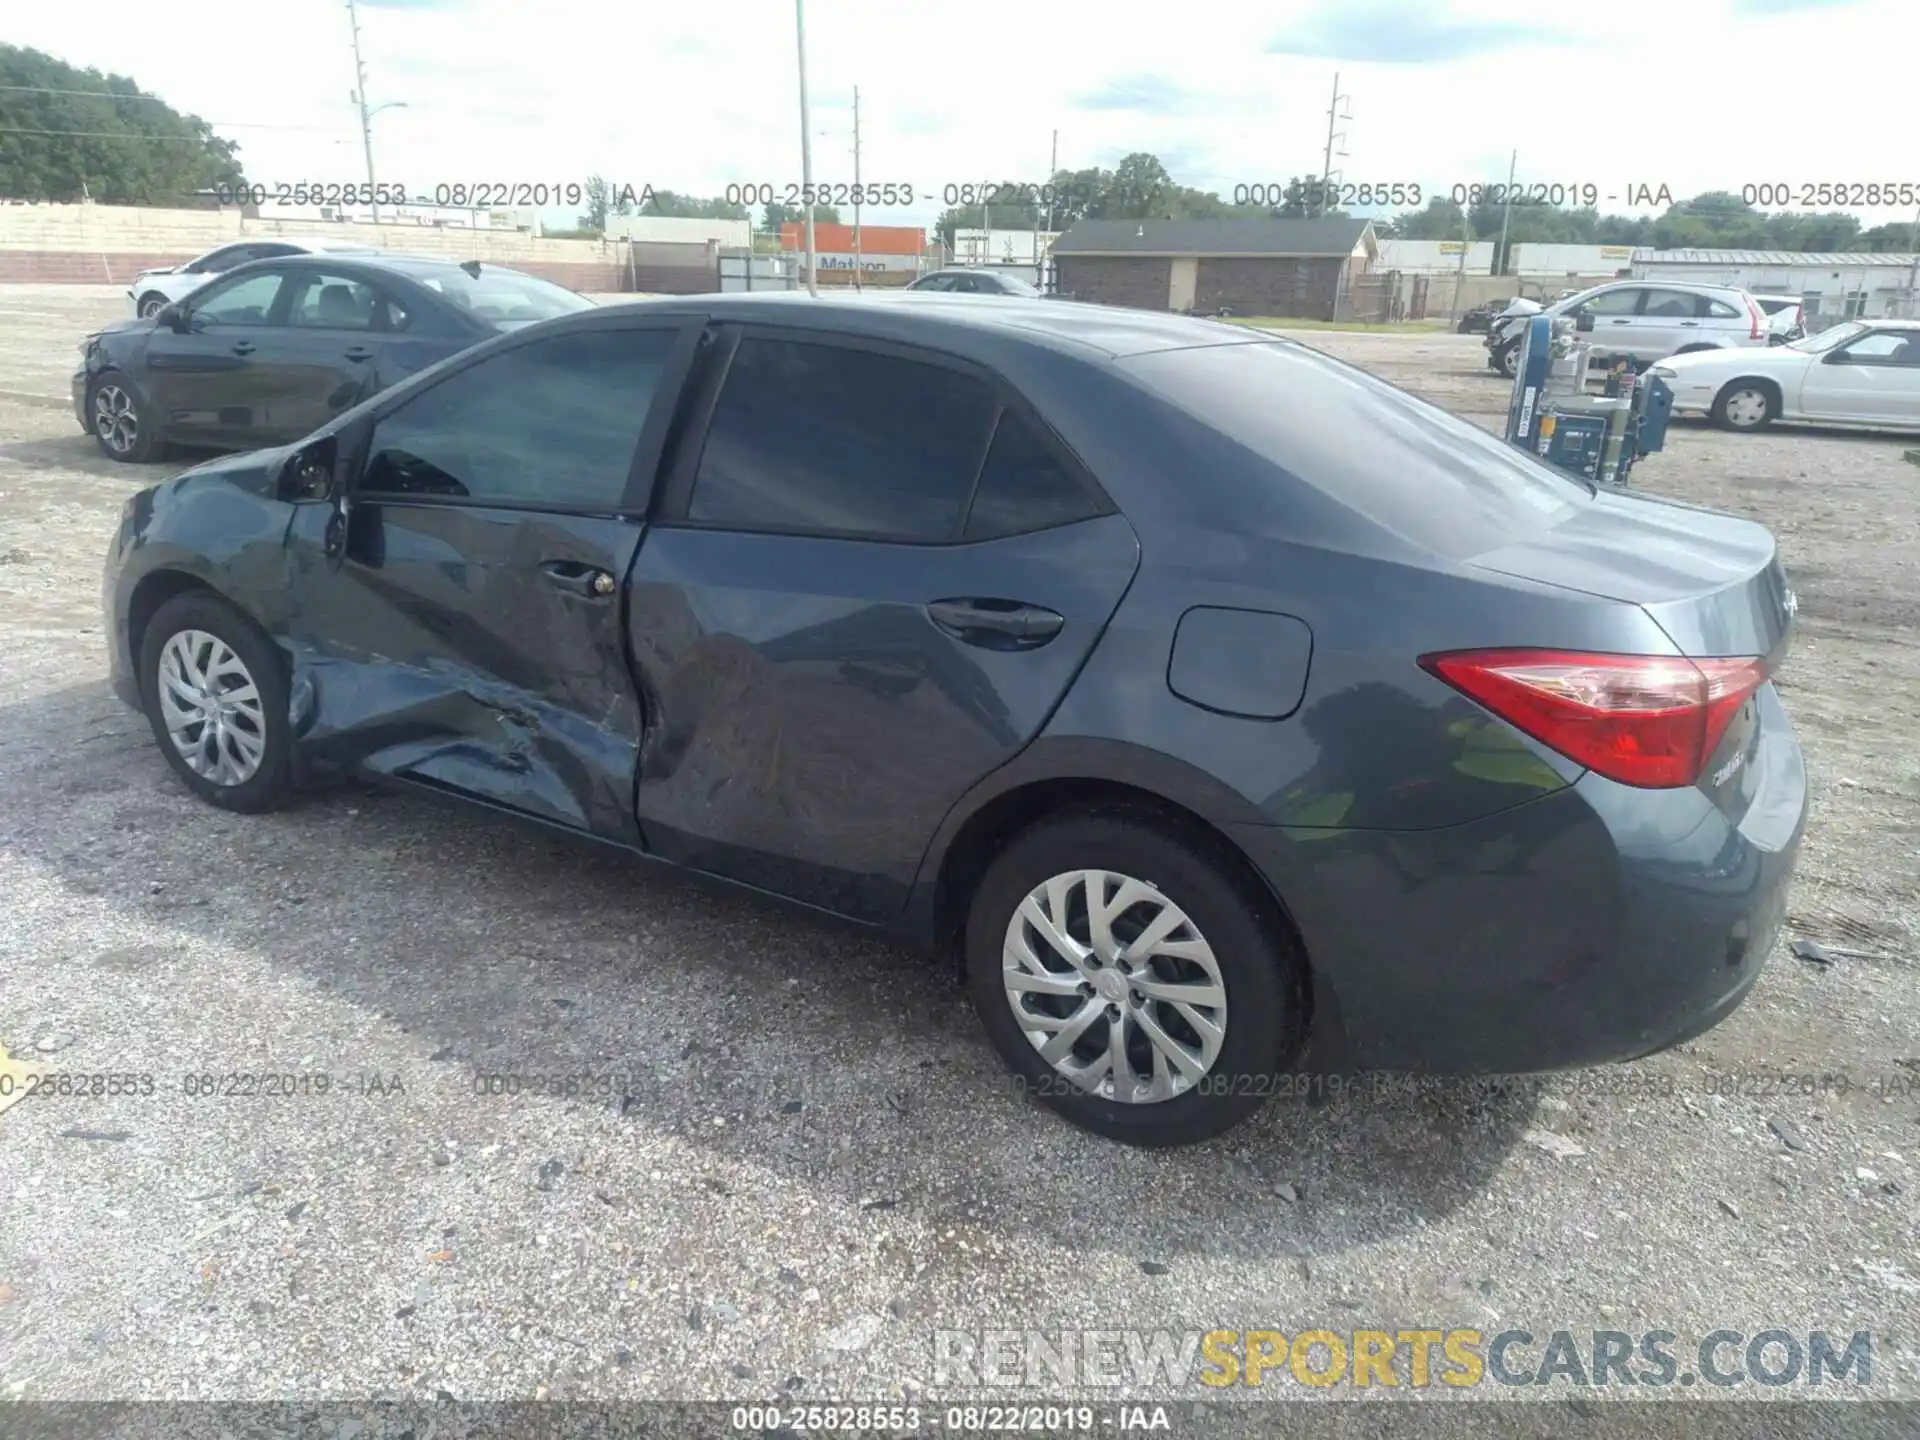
{"points": [[1720, 310], [826, 439], [1672, 304], [1025, 485]]}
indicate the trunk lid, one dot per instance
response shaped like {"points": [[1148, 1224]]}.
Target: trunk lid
{"points": [[1712, 581]]}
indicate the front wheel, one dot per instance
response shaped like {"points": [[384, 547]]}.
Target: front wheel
{"points": [[216, 698], [121, 421], [1131, 982], [1508, 360], [1744, 405], [151, 304]]}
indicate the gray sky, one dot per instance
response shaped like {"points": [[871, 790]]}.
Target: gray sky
{"points": [[1690, 94]]}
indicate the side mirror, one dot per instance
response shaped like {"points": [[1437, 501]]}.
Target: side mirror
{"points": [[175, 319], [309, 473], [1583, 321]]}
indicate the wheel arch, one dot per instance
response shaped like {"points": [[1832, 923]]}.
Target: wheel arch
{"points": [[161, 584], [1760, 382]]}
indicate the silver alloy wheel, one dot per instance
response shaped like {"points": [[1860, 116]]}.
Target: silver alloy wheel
{"points": [[152, 306], [1747, 408], [1115, 986], [211, 707], [115, 420]]}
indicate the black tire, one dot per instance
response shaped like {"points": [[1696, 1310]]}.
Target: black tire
{"points": [[1734, 394], [1507, 361], [113, 400], [271, 784], [1260, 969], [150, 304]]}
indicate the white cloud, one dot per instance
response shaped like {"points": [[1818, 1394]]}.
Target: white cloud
{"points": [[1702, 94]]}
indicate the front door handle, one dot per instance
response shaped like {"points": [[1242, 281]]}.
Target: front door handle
{"points": [[243, 347], [577, 579], [1691, 324], [978, 622], [1623, 322], [359, 352]]}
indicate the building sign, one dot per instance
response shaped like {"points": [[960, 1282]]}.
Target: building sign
{"points": [[867, 264], [1453, 247], [1616, 252]]}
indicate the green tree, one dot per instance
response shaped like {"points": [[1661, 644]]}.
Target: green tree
{"points": [[603, 202], [692, 207], [776, 214], [68, 134]]}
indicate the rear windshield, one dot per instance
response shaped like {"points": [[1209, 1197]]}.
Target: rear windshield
{"points": [[505, 299], [1442, 483]]}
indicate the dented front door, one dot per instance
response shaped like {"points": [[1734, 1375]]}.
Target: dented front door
{"points": [[456, 619], [476, 650]]}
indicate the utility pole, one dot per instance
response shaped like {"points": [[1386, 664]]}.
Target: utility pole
{"points": [[806, 141], [1053, 169], [1334, 117], [1460, 276], [856, 189], [1506, 213], [366, 116]]}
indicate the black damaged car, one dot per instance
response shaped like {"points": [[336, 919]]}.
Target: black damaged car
{"points": [[1205, 698], [274, 349]]}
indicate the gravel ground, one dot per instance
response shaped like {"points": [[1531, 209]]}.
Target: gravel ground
{"points": [[804, 1159]]}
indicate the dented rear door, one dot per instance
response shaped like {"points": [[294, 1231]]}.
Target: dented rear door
{"points": [[467, 633]]}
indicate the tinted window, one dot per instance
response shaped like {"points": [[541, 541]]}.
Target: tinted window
{"points": [[1720, 310], [934, 282], [551, 423], [272, 251], [1613, 302], [1441, 482], [821, 438], [320, 301], [243, 302], [1672, 304], [1025, 485]]}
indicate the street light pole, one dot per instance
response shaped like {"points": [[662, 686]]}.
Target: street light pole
{"points": [[366, 117], [806, 140]]}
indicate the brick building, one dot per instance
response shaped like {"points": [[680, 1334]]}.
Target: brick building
{"points": [[1303, 269]]}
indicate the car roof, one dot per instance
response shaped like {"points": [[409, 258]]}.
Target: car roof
{"points": [[910, 317]]}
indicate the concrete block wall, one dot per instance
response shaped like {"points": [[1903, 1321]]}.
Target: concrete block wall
{"points": [[110, 244]]}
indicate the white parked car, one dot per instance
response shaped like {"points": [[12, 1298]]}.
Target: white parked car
{"points": [[1786, 317], [152, 290], [1644, 321], [1863, 374]]}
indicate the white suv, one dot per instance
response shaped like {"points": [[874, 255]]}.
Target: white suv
{"points": [[1645, 321], [152, 290]]}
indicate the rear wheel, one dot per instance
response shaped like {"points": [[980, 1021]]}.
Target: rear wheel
{"points": [[1130, 981], [1744, 405], [217, 701], [1508, 360]]}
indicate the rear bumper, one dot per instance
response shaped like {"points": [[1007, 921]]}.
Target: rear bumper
{"points": [[1597, 924]]}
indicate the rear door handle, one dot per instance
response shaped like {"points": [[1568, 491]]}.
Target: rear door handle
{"points": [[985, 621], [577, 579], [359, 352], [243, 347]]}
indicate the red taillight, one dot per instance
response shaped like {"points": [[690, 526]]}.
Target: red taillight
{"points": [[1759, 320], [1644, 720]]}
